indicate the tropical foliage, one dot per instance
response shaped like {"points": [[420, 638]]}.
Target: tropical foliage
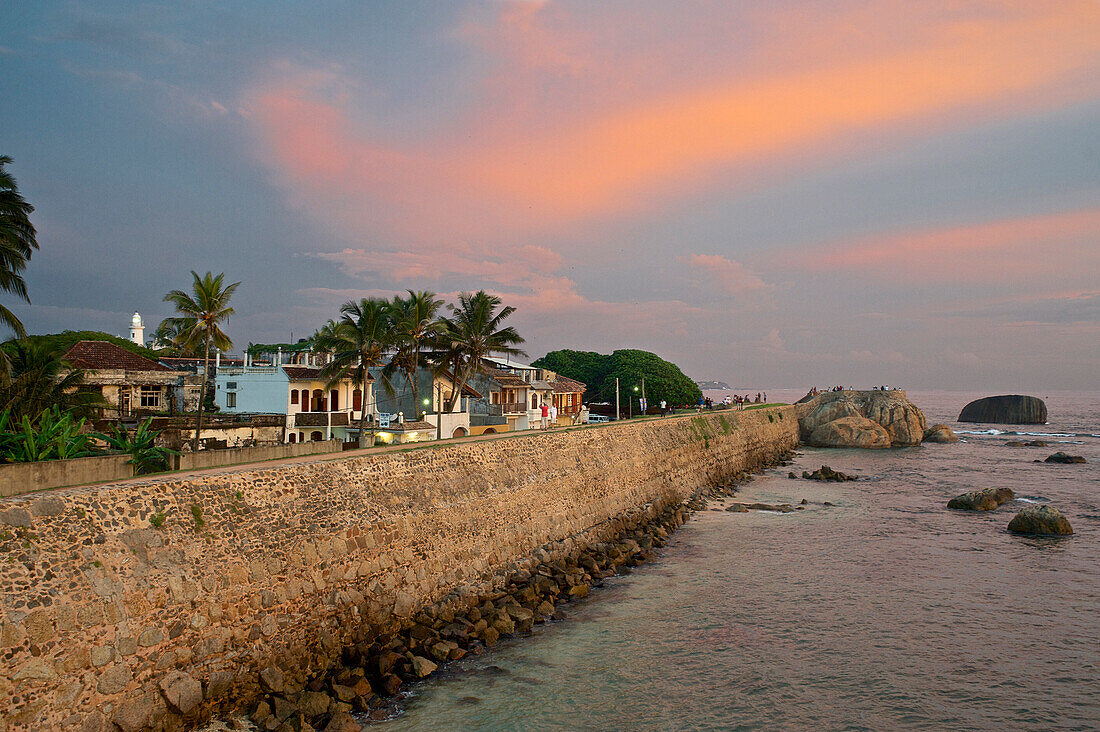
{"points": [[55, 435], [663, 380], [146, 455], [61, 342], [40, 381], [474, 331], [17, 243], [358, 343], [201, 313], [414, 324]]}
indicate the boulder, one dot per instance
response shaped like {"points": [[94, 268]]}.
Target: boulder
{"points": [[1005, 409], [983, 500], [1035, 443], [827, 473], [940, 433], [1065, 458], [850, 432], [901, 420], [1040, 520]]}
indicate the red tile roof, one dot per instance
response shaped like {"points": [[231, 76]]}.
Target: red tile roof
{"points": [[308, 373], [504, 378], [103, 355], [565, 385]]}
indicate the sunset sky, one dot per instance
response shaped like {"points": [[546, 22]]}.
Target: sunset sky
{"points": [[776, 194]]}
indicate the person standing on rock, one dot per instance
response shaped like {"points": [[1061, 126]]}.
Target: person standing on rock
{"points": [[545, 415]]}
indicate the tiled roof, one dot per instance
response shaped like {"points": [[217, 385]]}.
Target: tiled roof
{"points": [[467, 390], [104, 355], [308, 373], [565, 385], [503, 377]]}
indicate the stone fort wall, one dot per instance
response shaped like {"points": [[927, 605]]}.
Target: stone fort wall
{"points": [[150, 605]]}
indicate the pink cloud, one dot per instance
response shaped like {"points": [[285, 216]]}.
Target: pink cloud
{"points": [[991, 251], [731, 276]]}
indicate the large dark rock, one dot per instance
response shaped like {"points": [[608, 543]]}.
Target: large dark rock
{"points": [[1042, 520], [984, 500], [850, 432], [1064, 458], [940, 433], [1005, 409]]}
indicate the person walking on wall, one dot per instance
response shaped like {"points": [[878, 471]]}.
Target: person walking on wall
{"points": [[545, 410]]}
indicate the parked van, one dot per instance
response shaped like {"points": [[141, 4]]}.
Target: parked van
{"points": [[594, 418]]}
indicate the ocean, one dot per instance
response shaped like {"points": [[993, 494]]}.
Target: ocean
{"points": [[883, 611]]}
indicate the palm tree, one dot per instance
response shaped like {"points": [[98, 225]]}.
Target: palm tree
{"points": [[357, 343], [171, 335], [474, 332], [202, 312], [415, 322], [17, 243], [40, 381]]}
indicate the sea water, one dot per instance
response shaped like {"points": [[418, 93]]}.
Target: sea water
{"points": [[883, 611]]}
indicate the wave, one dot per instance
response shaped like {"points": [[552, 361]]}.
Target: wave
{"points": [[1033, 499]]}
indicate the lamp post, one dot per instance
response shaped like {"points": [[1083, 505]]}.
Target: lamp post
{"points": [[617, 412], [439, 412]]}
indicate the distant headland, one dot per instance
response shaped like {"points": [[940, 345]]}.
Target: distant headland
{"points": [[716, 385]]}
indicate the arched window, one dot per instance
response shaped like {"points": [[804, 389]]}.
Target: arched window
{"points": [[357, 399], [334, 401], [534, 401], [459, 432], [316, 436], [305, 400], [318, 401], [293, 437], [293, 396]]}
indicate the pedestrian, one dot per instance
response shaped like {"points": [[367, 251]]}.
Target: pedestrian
{"points": [[545, 410], [662, 406], [553, 416]]}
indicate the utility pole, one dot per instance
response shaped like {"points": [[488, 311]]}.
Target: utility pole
{"points": [[439, 412], [617, 413], [643, 396]]}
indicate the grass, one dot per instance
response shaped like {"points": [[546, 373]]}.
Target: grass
{"points": [[157, 519], [196, 513]]}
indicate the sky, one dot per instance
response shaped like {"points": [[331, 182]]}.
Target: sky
{"points": [[770, 193]]}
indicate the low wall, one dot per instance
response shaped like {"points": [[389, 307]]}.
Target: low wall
{"points": [[235, 456], [107, 618], [17, 478]]}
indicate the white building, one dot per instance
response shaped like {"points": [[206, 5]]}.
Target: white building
{"points": [[137, 330]]}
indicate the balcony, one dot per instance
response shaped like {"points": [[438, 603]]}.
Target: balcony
{"points": [[514, 407], [321, 419]]}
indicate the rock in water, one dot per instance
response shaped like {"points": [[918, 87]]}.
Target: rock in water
{"points": [[902, 421], [1065, 458], [940, 433], [1041, 520], [851, 432], [984, 500], [1005, 409]]}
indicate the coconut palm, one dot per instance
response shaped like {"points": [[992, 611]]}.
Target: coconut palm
{"points": [[474, 332], [415, 322], [171, 335], [17, 243], [202, 311], [357, 343], [40, 380]]}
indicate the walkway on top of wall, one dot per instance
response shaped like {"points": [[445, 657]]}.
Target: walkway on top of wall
{"points": [[358, 453]]}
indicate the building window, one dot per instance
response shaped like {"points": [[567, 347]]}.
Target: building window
{"points": [[293, 438], [334, 401], [150, 397], [231, 385], [230, 399], [357, 400], [293, 398]]}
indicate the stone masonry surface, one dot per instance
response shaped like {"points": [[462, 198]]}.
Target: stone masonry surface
{"points": [[152, 605]]}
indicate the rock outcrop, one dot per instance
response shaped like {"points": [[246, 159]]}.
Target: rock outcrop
{"points": [[983, 500], [827, 473], [850, 432], [1065, 458], [1005, 409], [1040, 520], [940, 433], [872, 419]]}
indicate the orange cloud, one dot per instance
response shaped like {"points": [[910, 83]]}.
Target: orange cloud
{"points": [[550, 164], [1017, 247]]}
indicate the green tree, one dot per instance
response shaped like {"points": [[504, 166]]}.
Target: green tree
{"points": [[415, 322], [40, 380], [172, 335], [358, 342], [474, 331], [203, 310], [664, 381], [145, 455], [18, 240]]}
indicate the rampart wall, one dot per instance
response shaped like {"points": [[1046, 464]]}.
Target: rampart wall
{"points": [[150, 605]]}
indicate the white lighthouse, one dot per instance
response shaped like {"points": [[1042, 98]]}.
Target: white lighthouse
{"points": [[137, 330]]}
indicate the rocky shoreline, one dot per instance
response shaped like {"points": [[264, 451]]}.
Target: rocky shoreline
{"points": [[372, 674]]}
